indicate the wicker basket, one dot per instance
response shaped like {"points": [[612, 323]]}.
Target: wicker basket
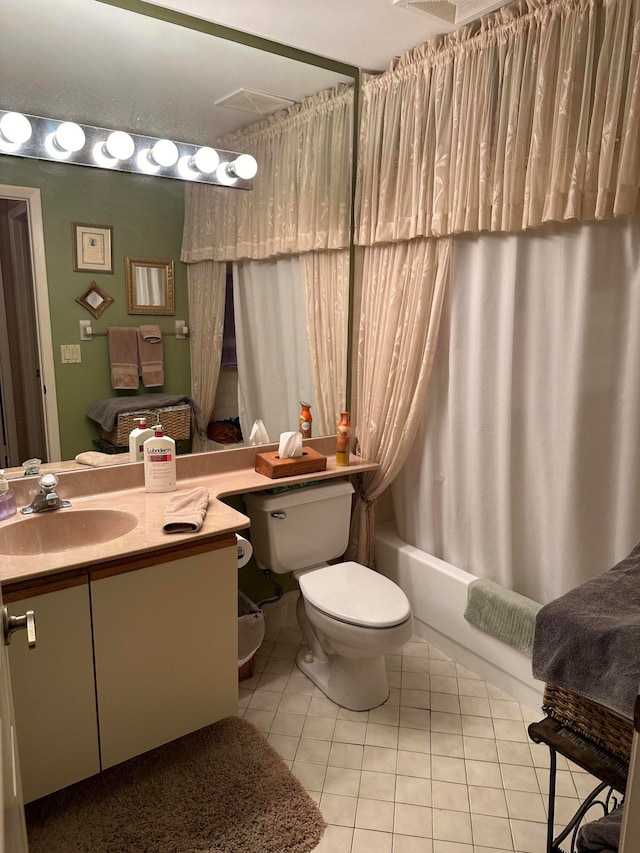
{"points": [[175, 420], [600, 725]]}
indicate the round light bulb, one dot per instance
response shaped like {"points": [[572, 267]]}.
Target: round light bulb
{"points": [[106, 161], [185, 168], [206, 160], [225, 176], [165, 153], [119, 145], [245, 166], [53, 149], [15, 128], [69, 136], [145, 162]]}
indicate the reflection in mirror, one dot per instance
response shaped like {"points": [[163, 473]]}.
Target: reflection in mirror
{"points": [[149, 286], [178, 94]]}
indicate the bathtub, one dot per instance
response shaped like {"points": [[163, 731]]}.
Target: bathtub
{"points": [[438, 594]]}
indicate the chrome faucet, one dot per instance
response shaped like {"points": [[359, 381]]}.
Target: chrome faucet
{"points": [[47, 498]]}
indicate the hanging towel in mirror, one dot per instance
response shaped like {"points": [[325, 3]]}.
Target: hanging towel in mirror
{"points": [[123, 356], [150, 356]]}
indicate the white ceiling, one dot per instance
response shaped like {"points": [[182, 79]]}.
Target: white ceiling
{"points": [[365, 33], [102, 65]]}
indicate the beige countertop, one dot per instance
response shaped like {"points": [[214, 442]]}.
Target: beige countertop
{"points": [[121, 487]]}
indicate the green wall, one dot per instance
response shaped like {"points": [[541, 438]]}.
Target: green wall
{"points": [[147, 215]]}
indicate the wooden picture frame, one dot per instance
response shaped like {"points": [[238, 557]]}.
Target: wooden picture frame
{"points": [[92, 248]]}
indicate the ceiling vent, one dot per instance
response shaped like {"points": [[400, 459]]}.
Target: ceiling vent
{"points": [[257, 103], [455, 12]]}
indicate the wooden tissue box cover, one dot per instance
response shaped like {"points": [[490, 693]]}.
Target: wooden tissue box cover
{"points": [[272, 466]]}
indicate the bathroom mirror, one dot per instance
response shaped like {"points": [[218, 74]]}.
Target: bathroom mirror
{"points": [[149, 286], [95, 300], [169, 76]]}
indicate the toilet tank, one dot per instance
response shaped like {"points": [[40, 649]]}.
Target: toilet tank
{"points": [[300, 528]]}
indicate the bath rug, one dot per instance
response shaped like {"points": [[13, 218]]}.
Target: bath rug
{"points": [[222, 789], [503, 613]]}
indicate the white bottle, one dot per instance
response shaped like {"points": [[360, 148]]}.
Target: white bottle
{"points": [[159, 462], [137, 438]]}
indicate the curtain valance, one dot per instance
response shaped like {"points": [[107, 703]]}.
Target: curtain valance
{"points": [[531, 114], [301, 200]]}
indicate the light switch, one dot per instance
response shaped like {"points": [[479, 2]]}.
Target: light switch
{"points": [[70, 353]]}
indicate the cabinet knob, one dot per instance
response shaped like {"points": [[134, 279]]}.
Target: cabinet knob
{"points": [[17, 623]]}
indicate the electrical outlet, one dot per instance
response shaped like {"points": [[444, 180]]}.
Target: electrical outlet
{"points": [[70, 354]]}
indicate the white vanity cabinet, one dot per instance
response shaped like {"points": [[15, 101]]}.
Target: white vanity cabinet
{"points": [[129, 655], [53, 687], [165, 641]]}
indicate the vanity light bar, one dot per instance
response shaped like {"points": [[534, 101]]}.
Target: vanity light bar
{"points": [[83, 145]]}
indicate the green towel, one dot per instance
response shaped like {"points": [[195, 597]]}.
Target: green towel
{"points": [[503, 613]]}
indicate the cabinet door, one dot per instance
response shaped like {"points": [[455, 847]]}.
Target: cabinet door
{"points": [[165, 641], [54, 692]]}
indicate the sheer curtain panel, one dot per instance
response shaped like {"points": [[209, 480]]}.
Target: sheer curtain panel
{"points": [[206, 284], [327, 284], [402, 302]]}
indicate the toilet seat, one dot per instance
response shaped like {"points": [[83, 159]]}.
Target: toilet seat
{"points": [[355, 594]]}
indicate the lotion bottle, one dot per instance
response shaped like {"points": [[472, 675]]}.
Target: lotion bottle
{"points": [[137, 438], [159, 462]]}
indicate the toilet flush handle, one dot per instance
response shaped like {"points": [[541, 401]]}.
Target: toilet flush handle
{"points": [[278, 514]]}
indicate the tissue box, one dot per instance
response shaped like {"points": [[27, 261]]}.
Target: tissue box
{"points": [[272, 466]]}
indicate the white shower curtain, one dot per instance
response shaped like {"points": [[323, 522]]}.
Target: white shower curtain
{"points": [[527, 467], [270, 315]]}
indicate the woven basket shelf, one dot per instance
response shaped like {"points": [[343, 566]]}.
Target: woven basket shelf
{"points": [[175, 420], [600, 725]]}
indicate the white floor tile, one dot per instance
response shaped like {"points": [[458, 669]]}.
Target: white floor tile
{"points": [[369, 841], [444, 766], [413, 820], [375, 814]]}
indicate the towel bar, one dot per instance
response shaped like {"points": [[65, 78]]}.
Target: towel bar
{"points": [[88, 333]]}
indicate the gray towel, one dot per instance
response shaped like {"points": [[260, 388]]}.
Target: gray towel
{"points": [[588, 640], [601, 836]]}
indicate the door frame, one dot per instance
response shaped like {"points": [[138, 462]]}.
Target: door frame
{"points": [[32, 197]]}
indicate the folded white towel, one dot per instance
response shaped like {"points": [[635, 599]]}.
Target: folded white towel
{"points": [[97, 460]]}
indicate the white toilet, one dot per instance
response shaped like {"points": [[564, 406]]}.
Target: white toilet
{"points": [[351, 616]]}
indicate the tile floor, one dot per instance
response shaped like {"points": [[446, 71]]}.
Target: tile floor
{"points": [[444, 766]]}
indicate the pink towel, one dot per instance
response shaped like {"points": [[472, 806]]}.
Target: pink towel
{"points": [[150, 356], [123, 356]]}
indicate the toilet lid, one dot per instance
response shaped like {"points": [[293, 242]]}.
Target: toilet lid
{"points": [[355, 594]]}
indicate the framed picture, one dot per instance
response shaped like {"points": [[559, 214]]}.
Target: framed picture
{"points": [[92, 248]]}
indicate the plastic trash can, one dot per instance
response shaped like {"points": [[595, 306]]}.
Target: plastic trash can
{"points": [[250, 635]]}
